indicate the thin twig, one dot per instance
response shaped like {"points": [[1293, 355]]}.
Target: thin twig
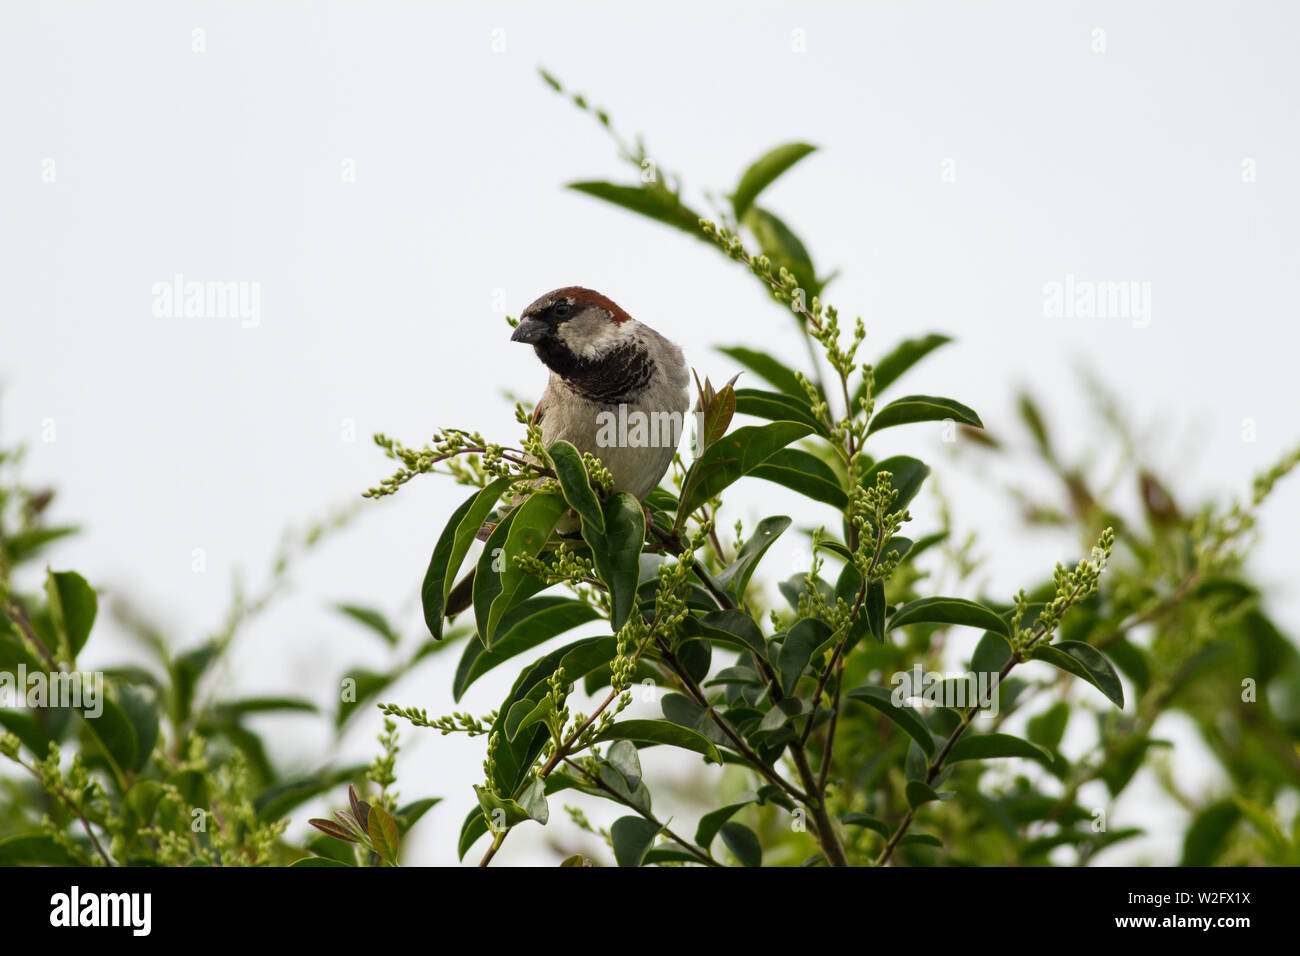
{"points": [[700, 854]]}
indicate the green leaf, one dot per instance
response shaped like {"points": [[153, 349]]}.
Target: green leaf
{"points": [[141, 709], [860, 819], [531, 528], [506, 812], [739, 675], [528, 624], [903, 356], [922, 408], [661, 501], [384, 835], [622, 756], [372, 619], [925, 543], [763, 172], [576, 484], [1033, 420], [187, 670], [34, 849], [25, 544], [488, 572], [613, 783], [805, 473], [74, 605], [473, 827], [991, 654], [948, 610], [533, 800], [14, 652], [113, 731], [778, 242], [797, 649], [29, 731], [782, 713], [527, 713], [769, 369], [645, 733], [696, 658], [617, 553], [906, 718], [366, 685], [1048, 728], [919, 792], [793, 587], [657, 204], [632, 837], [276, 801], [1085, 661], [407, 816], [742, 841], [1208, 834], [920, 839], [451, 549], [777, 407], [1132, 661], [992, 746], [875, 604], [309, 862], [712, 822], [730, 627], [668, 853], [731, 458], [515, 759], [684, 711], [234, 709], [192, 786], [907, 476], [735, 577]]}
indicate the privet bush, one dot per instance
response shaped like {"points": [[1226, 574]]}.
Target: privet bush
{"points": [[801, 716], [811, 702], [149, 765]]}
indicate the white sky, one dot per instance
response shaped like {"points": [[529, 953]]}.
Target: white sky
{"points": [[377, 295]]}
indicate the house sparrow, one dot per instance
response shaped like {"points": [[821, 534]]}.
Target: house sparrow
{"points": [[618, 390]]}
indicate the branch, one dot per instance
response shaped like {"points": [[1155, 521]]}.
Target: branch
{"points": [[73, 806], [936, 766], [700, 854]]}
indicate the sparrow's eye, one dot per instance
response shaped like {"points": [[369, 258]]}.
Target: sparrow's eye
{"points": [[560, 310]]}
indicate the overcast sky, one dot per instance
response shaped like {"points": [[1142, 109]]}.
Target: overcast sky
{"points": [[386, 179]]}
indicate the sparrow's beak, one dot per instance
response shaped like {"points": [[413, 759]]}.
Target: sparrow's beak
{"points": [[530, 331]]}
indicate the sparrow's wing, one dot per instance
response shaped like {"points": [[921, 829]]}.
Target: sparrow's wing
{"points": [[538, 411]]}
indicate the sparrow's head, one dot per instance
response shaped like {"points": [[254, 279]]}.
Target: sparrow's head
{"points": [[573, 326]]}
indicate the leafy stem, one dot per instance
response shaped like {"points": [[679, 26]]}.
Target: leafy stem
{"points": [[700, 853], [1071, 587]]}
